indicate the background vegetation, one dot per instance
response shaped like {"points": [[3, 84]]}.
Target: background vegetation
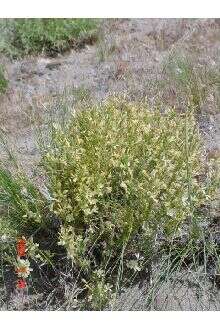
{"points": [[23, 36]]}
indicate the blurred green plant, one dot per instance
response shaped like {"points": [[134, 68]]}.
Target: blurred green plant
{"points": [[22, 36], [3, 81]]}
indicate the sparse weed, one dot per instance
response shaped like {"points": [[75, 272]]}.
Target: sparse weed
{"points": [[106, 45], [82, 94], [193, 83]]}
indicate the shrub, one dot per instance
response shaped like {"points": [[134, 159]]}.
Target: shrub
{"points": [[119, 175], [35, 35]]}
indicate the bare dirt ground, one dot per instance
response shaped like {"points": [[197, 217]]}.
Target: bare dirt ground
{"points": [[129, 60]]}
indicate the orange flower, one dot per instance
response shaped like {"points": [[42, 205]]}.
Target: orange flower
{"points": [[21, 284], [21, 247]]}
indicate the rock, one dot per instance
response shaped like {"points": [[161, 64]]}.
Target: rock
{"points": [[53, 65]]}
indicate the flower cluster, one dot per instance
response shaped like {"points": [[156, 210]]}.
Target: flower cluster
{"points": [[23, 265]]}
